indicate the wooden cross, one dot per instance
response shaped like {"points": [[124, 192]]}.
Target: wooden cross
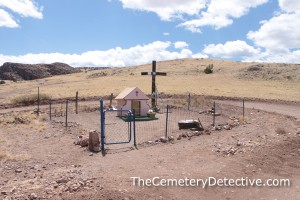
{"points": [[154, 74]]}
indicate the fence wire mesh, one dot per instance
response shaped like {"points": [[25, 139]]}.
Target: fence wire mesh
{"points": [[189, 107]]}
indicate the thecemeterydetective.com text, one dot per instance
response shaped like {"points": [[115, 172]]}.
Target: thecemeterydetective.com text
{"points": [[209, 182]]}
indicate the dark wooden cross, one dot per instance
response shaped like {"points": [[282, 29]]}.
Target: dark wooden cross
{"points": [[154, 74]]}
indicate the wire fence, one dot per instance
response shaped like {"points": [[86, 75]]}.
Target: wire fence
{"points": [[172, 110]]}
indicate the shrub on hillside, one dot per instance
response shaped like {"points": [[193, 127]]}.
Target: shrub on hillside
{"points": [[209, 69], [2, 82]]}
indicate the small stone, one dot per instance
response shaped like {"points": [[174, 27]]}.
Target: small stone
{"points": [[190, 134], [4, 193], [171, 138], [163, 139], [184, 135], [33, 196], [238, 143], [63, 180], [179, 137], [84, 142], [207, 132], [227, 127], [18, 170], [91, 154]]}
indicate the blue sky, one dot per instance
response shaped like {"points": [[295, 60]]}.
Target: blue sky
{"points": [[120, 33]]}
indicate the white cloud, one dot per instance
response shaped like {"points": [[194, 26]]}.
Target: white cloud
{"points": [[199, 55], [278, 34], [167, 10], [180, 45], [231, 49], [116, 57], [7, 20], [220, 14], [216, 13], [25, 8], [166, 34], [289, 5]]}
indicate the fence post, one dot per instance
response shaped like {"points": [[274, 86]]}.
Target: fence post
{"points": [[102, 126], [134, 136], [214, 113], [167, 121], [110, 100], [38, 109], [76, 103], [243, 109], [50, 113], [67, 113], [189, 101]]}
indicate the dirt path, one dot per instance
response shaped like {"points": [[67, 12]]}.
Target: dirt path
{"points": [[290, 110]]}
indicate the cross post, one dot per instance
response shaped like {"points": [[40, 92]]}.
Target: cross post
{"points": [[154, 74]]}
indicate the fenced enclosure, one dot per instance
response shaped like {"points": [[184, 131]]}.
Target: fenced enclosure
{"points": [[87, 116]]}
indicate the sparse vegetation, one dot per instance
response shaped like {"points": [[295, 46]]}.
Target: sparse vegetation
{"points": [[209, 69], [280, 131], [16, 118], [2, 82], [5, 155], [30, 99]]}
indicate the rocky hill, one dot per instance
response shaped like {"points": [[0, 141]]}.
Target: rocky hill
{"points": [[18, 71]]}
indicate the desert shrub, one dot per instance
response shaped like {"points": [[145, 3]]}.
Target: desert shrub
{"points": [[280, 131], [2, 82], [209, 69], [199, 102], [29, 99]]}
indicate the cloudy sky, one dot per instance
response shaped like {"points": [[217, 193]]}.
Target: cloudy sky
{"points": [[132, 32]]}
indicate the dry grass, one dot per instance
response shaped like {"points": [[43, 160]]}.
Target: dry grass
{"points": [[184, 76], [6, 155]]}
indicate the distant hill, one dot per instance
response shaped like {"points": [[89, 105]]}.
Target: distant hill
{"points": [[18, 71]]}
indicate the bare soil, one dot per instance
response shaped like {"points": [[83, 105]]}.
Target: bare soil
{"points": [[39, 160]]}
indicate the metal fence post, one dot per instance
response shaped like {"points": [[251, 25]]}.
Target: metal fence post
{"points": [[189, 101], [50, 113], [167, 119], [38, 109], [76, 103], [102, 126], [214, 114], [67, 113], [134, 136], [243, 109]]}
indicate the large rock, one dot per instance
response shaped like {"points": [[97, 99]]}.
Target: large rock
{"points": [[94, 141], [18, 71]]}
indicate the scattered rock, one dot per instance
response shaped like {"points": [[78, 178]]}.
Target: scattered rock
{"points": [[227, 127], [63, 180], [84, 142], [207, 132], [33, 196], [171, 138], [163, 139], [190, 134], [18, 170], [179, 137], [217, 128], [230, 150], [197, 133]]}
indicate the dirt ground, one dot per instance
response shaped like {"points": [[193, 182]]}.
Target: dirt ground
{"points": [[39, 160]]}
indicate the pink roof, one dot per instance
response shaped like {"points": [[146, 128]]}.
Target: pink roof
{"points": [[132, 93]]}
